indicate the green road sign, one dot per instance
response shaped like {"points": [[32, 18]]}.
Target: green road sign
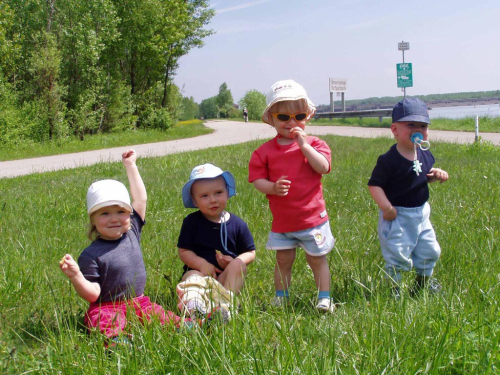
{"points": [[405, 77]]}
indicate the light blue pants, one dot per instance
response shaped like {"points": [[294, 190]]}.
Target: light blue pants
{"points": [[409, 241]]}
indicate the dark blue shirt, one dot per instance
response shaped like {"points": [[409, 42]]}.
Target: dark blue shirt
{"points": [[117, 266], [203, 237], [395, 175]]}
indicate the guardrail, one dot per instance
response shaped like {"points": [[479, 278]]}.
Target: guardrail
{"points": [[380, 113]]}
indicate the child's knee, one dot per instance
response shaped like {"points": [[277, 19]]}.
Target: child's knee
{"points": [[316, 261], [285, 258], [238, 267]]}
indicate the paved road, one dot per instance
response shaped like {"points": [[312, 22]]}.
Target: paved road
{"points": [[226, 133]]}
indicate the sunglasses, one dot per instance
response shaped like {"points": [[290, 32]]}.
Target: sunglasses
{"points": [[285, 117]]}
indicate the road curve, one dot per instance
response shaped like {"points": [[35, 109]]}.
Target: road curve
{"points": [[225, 133]]}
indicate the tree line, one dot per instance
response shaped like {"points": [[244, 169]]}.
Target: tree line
{"points": [[79, 67], [222, 105]]}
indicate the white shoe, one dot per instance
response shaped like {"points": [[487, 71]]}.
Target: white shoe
{"points": [[325, 305], [279, 301]]}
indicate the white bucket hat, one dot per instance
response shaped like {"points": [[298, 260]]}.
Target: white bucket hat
{"points": [[206, 171], [283, 90], [106, 193]]}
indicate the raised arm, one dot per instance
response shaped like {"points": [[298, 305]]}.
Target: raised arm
{"points": [[137, 188]]}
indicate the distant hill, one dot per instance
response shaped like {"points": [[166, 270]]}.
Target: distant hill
{"points": [[433, 100]]}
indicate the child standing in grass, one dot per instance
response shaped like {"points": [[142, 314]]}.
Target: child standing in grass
{"points": [[288, 169], [215, 246], [399, 186], [110, 273]]}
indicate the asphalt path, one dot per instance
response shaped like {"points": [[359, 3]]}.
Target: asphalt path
{"points": [[225, 133]]}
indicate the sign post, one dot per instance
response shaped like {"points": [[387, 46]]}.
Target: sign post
{"points": [[405, 78], [337, 85]]}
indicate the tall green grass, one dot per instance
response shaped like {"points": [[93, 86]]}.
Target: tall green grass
{"points": [[184, 129], [41, 323]]}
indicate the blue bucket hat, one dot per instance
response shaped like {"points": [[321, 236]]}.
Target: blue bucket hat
{"points": [[411, 109], [206, 171]]}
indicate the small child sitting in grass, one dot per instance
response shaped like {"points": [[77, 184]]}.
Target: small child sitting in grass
{"points": [[399, 186], [215, 246], [110, 273]]}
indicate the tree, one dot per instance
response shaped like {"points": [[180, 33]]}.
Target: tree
{"points": [[188, 17], [255, 102], [224, 100], [190, 109], [96, 65], [209, 108], [45, 66]]}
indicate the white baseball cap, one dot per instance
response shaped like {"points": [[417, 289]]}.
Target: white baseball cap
{"points": [[106, 193], [206, 171], [283, 90]]}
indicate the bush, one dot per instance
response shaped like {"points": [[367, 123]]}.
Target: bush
{"points": [[157, 119]]}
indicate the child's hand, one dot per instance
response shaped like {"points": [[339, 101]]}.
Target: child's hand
{"points": [[282, 186], [210, 270], [68, 266], [223, 260], [299, 135], [129, 157], [436, 174], [390, 214]]}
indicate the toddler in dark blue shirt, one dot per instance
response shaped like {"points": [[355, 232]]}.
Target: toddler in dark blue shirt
{"points": [[399, 186], [215, 246]]}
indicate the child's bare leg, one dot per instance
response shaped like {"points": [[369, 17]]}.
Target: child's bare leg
{"points": [[283, 269], [321, 271], [233, 277], [191, 273]]}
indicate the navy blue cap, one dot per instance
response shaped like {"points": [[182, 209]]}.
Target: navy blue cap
{"points": [[411, 109]]}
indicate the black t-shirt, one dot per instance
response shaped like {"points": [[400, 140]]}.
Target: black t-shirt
{"points": [[117, 266], [203, 237], [395, 175]]}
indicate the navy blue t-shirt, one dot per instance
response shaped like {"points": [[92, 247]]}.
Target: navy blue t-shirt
{"points": [[203, 237], [117, 266], [395, 175]]}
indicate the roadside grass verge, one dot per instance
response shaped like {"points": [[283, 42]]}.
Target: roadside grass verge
{"points": [[486, 124], [184, 129], [43, 216]]}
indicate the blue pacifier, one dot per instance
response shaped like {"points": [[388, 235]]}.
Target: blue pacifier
{"points": [[418, 139]]}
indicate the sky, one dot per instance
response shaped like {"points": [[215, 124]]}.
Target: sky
{"points": [[454, 47]]}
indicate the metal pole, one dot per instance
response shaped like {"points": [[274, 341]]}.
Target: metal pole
{"points": [[477, 128], [404, 88], [343, 103], [331, 102]]}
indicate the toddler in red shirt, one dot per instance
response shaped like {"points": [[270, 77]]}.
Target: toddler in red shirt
{"points": [[288, 169]]}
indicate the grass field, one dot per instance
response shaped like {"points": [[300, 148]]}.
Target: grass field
{"points": [[183, 129], [486, 124], [43, 217]]}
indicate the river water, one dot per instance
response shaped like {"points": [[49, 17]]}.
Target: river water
{"points": [[490, 110]]}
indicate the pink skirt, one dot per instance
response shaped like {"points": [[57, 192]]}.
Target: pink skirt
{"points": [[111, 317]]}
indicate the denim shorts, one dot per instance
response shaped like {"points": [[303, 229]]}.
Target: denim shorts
{"points": [[316, 241]]}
